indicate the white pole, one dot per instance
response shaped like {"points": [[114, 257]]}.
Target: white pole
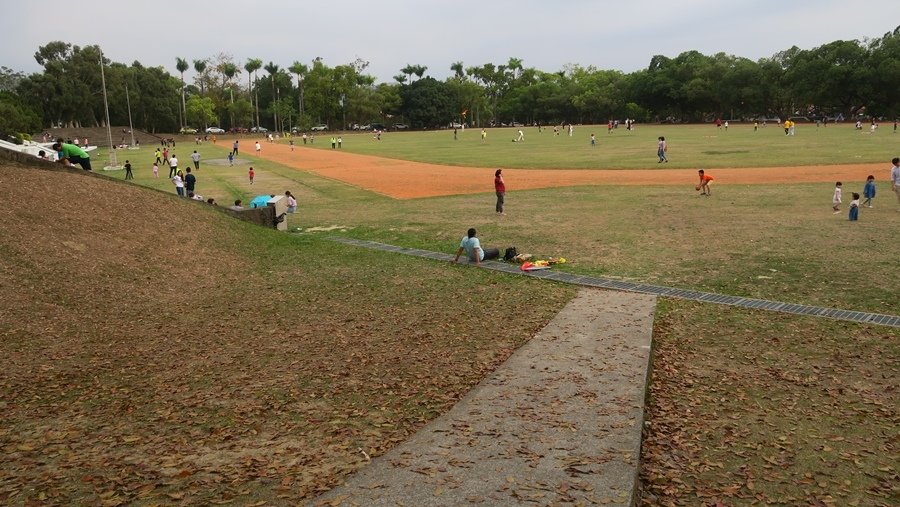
{"points": [[112, 152], [130, 124]]}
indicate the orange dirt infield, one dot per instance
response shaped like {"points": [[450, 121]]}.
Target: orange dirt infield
{"points": [[403, 179]]}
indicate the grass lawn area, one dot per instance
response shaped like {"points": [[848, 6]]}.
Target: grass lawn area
{"points": [[690, 146], [750, 408]]}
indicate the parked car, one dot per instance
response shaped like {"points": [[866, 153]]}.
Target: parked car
{"points": [[319, 128], [187, 130], [455, 125], [237, 130], [378, 126], [365, 127], [215, 130], [516, 124], [400, 126], [261, 130]]}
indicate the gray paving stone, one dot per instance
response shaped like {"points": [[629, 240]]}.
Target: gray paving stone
{"points": [[559, 423]]}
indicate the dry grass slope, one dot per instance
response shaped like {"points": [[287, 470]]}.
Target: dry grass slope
{"points": [[142, 364]]}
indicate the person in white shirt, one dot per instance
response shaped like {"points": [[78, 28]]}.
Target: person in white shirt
{"points": [[178, 181], [258, 148], [173, 165], [895, 177], [836, 198], [521, 136]]}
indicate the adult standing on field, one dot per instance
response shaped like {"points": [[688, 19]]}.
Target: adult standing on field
{"points": [[190, 181], [69, 155], [173, 165], [234, 148], [196, 158], [500, 188], [895, 177]]}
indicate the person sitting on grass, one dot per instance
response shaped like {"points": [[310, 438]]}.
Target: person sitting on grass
{"points": [[472, 246]]}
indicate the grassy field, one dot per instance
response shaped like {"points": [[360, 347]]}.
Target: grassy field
{"points": [[747, 407], [700, 146], [772, 241]]}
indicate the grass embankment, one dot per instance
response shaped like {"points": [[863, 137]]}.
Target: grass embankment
{"points": [[690, 146], [156, 351]]}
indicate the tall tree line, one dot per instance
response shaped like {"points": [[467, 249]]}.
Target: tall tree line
{"points": [[849, 78]]}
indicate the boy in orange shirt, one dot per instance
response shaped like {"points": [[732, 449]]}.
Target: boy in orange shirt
{"points": [[705, 181]]}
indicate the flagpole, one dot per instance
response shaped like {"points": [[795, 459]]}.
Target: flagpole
{"points": [[112, 151]]}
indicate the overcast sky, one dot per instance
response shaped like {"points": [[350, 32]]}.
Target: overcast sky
{"points": [[545, 34]]}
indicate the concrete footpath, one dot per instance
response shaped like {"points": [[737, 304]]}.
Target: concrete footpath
{"points": [[559, 423]]}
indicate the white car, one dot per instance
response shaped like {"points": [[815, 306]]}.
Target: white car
{"points": [[319, 128], [215, 130]]}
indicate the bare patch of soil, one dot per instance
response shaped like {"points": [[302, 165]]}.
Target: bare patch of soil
{"points": [[403, 179]]}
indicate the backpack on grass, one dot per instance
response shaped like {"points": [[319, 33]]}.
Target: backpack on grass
{"points": [[510, 254]]}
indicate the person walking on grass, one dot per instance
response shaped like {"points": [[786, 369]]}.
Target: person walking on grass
{"points": [[128, 174], [869, 191], [156, 170], [231, 159], [173, 165], [471, 245], [661, 149], [836, 198], [258, 148], [158, 157], [196, 158], [500, 189], [705, 181], [251, 174]]}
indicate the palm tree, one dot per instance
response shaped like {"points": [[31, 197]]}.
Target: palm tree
{"points": [[300, 70], [400, 78], [419, 70], [229, 70], [200, 66], [182, 65], [273, 69], [409, 70], [253, 65], [457, 68]]}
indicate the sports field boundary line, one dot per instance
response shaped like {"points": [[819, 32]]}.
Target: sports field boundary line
{"points": [[643, 288]]}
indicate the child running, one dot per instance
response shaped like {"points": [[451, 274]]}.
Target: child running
{"points": [[156, 170], [251, 174]]}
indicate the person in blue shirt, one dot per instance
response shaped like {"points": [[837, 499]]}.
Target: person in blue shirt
{"points": [[869, 191], [471, 245]]}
